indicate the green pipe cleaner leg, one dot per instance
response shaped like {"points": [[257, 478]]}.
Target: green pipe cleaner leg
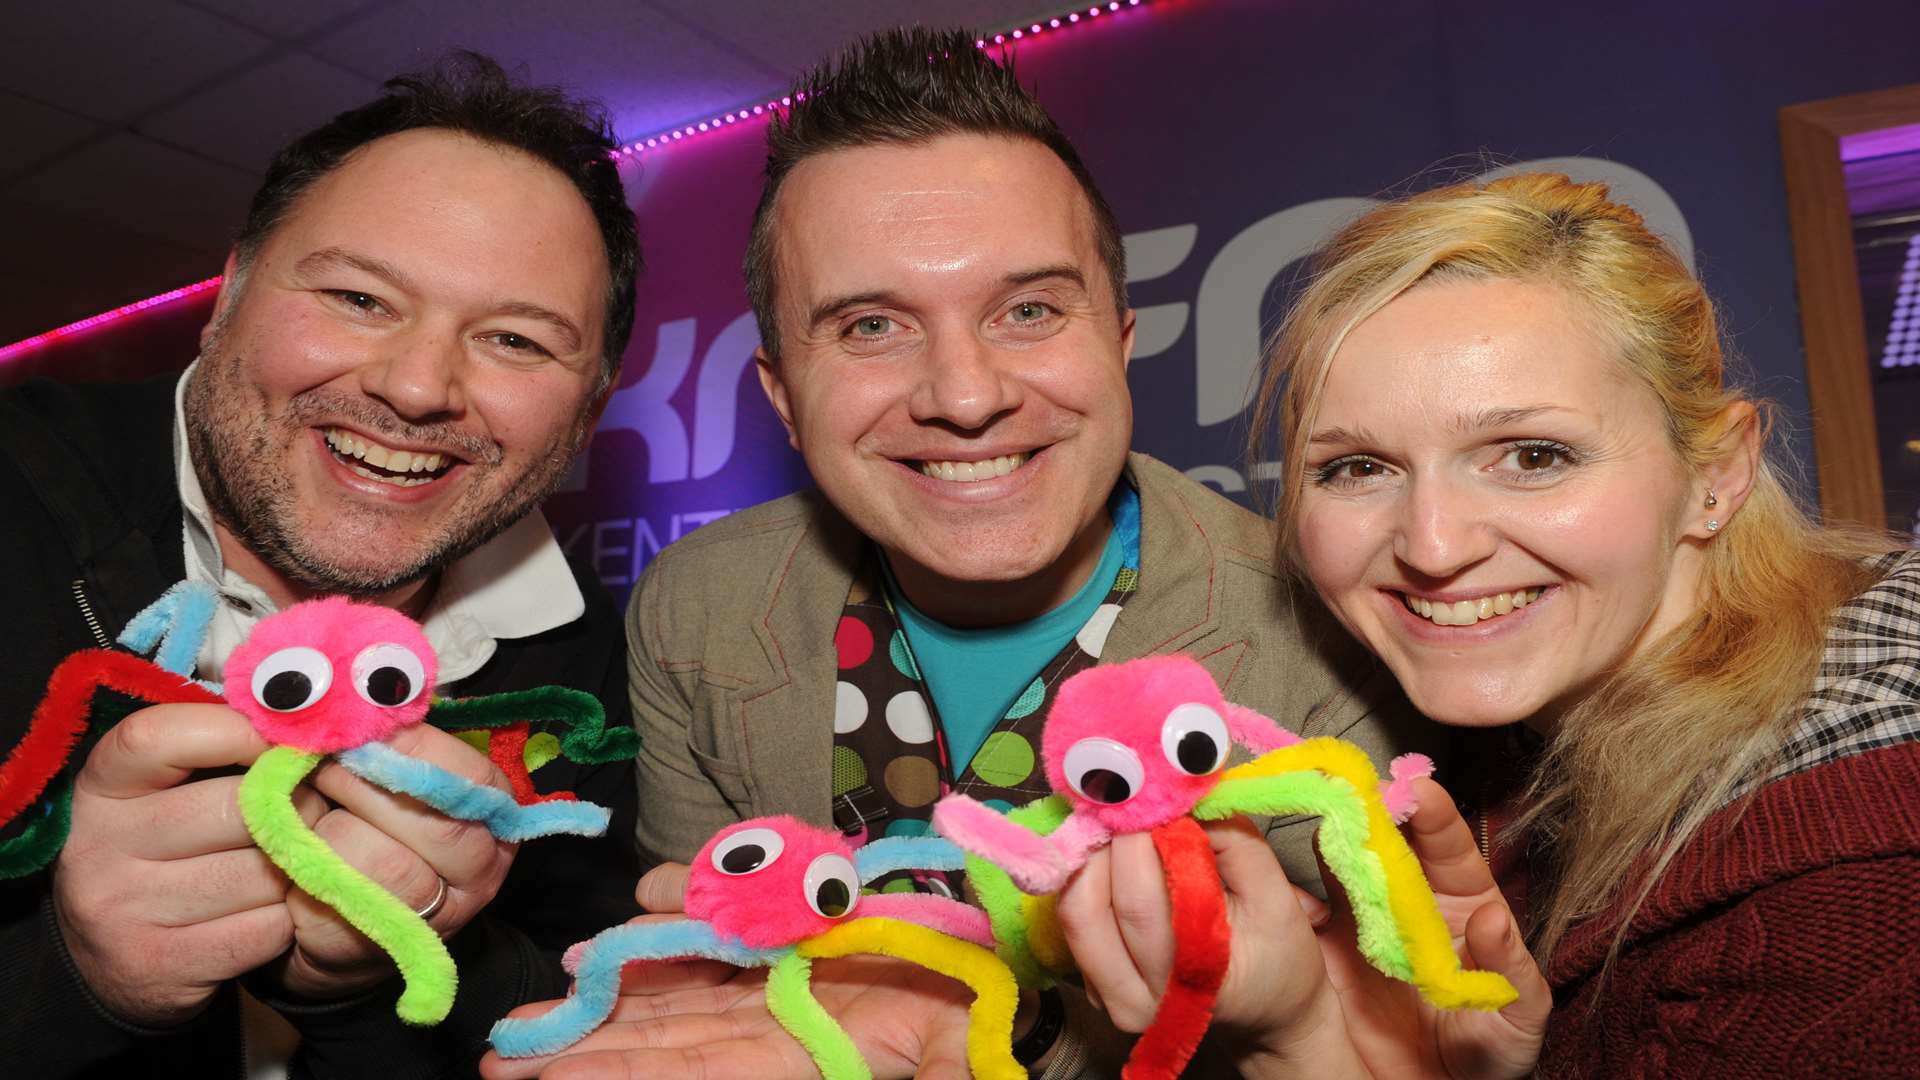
{"points": [[36, 845], [790, 999], [585, 737], [266, 805], [1342, 839]]}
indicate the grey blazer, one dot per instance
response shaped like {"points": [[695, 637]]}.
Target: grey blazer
{"points": [[731, 657]]}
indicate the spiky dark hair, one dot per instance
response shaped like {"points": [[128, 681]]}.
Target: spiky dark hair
{"points": [[906, 86]]}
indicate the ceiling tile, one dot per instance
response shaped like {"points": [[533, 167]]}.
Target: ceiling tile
{"points": [[121, 217], [115, 64], [244, 120], [284, 19], [146, 188], [57, 247], [33, 133], [72, 269], [649, 69], [793, 37], [35, 307], [30, 305]]}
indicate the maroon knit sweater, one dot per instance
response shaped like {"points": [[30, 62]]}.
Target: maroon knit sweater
{"points": [[1787, 946]]}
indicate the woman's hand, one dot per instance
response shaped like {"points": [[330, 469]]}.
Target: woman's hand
{"points": [[1299, 996], [1381, 1012], [1118, 923]]}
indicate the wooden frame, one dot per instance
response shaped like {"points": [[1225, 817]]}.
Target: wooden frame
{"points": [[1845, 443]]}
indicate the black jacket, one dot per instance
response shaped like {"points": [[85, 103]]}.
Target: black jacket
{"points": [[93, 533]]}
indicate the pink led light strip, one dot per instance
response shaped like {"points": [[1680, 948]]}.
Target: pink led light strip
{"points": [[28, 345], [637, 148], [1057, 23], [680, 132]]}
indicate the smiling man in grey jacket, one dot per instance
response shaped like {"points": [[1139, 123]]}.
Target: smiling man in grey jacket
{"points": [[940, 289]]}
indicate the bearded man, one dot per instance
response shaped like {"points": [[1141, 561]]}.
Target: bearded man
{"points": [[417, 328]]}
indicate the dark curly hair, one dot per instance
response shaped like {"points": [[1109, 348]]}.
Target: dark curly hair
{"points": [[472, 94]]}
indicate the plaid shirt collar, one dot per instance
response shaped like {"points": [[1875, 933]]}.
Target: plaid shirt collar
{"points": [[1867, 694]]}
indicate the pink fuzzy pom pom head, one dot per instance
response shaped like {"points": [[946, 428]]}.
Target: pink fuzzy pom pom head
{"points": [[330, 674], [1136, 745], [773, 881]]}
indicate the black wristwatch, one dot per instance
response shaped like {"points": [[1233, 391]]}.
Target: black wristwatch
{"points": [[1039, 1039]]}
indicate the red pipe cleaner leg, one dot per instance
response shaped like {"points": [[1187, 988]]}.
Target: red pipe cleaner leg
{"points": [[1201, 949], [62, 716], [507, 747]]}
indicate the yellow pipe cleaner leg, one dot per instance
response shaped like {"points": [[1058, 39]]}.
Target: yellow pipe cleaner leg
{"points": [[1045, 938], [1436, 966], [266, 805], [995, 997]]}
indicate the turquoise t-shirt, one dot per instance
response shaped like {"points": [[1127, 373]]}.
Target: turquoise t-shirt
{"points": [[975, 675]]}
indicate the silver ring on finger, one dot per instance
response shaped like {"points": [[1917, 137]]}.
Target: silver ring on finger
{"points": [[439, 900]]}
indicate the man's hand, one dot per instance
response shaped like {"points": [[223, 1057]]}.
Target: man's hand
{"points": [[405, 846], [906, 1021], [160, 893], [700, 1018]]}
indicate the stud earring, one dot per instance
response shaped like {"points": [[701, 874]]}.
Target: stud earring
{"points": [[1711, 501], [1712, 525]]}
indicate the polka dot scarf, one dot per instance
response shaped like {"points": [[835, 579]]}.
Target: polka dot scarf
{"points": [[890, 760]]}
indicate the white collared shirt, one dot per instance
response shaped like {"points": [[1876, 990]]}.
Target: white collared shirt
{"points": [[515, 585]]}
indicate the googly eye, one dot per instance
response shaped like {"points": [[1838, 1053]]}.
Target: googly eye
{"points": [[832, 886], [1103, 770], [747, 850], [388, 675], [291, 679], [1195, 739]]}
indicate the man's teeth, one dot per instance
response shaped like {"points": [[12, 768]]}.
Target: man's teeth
{"points": [[968, 471], [1468, 612], [348, 445]]}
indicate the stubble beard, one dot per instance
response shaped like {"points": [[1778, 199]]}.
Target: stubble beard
{"points": [[238, 449]]}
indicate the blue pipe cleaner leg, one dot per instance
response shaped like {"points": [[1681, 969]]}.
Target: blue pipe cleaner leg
{"points": [[174, 627], [456, 796], [596, 982], [596, 987], [891, 853]]}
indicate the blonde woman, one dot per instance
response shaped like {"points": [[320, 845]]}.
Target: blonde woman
{"points": [[1689, 718]]}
